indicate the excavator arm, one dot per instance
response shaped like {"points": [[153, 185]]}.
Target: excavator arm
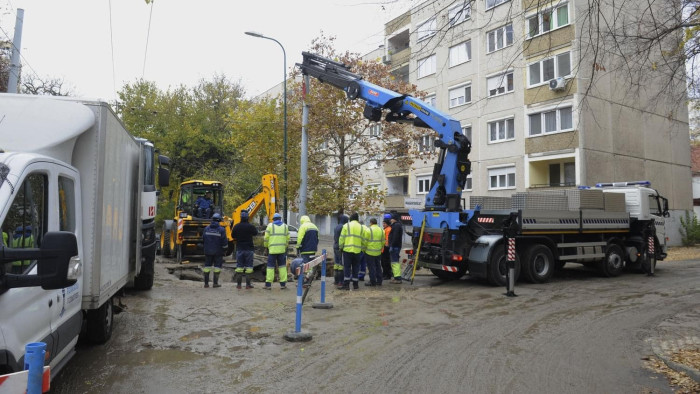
{"points": [[266, 195], [452, 167]]}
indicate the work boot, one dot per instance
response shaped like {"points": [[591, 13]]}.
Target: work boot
{"points": [[370, 284], [345, 286], [283, 286], [206, 279], [268, 286], [355, 285], [238, 282], [216, 280]]}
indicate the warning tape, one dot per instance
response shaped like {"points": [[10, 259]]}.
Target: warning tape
{"points": [[17, 382]]}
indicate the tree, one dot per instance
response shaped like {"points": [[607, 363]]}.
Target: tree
{"points": [[339, 136], [191, 126], [47, 87]]}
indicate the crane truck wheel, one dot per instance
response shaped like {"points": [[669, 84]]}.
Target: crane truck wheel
{"points": [[498, 268], [614, 261], [538, 264], [100, 323]]}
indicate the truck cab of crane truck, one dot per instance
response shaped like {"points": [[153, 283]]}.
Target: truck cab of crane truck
{"points": [[183, 235]]}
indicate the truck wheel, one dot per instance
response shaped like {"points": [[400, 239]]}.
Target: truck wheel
{"points": [[100, 323], [538, 266], [498, 267], [448, 275], [614, 261], [165, 243]]}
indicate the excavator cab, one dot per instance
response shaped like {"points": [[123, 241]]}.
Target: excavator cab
{"points": [[209, 196], [197, 201]]}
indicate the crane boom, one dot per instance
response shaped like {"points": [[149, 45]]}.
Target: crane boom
{"points": [[452, 167]]}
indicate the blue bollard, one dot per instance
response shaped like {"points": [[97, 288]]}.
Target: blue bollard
{"points": [[323, 304], [34, 354]]}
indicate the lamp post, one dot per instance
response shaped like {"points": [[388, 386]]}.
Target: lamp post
{"points": [[284, 95]]}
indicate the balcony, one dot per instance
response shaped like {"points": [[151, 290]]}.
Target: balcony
{"points": [[395, 201]]}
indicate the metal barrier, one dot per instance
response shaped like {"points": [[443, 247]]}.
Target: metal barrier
{"points": [[297, 335]]}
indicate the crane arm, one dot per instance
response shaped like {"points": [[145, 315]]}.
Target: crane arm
{"points": [[452, 167]]}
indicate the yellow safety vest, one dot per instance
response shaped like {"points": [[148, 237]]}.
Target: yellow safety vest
{"points": [[373, 240], [22, 242], [276, 238], [351, 237]]}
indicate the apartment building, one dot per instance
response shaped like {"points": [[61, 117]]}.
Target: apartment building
{"points": [[543, 103]]}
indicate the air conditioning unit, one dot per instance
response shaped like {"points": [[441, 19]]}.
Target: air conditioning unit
{"points": [[557, 84]]}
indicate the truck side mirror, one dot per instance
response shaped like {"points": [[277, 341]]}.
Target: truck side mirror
{"points": [[163, 177], [56, 267], [59, 247]]}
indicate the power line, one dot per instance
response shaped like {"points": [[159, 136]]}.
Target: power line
{"points": [[111, 44], [148, 35]]}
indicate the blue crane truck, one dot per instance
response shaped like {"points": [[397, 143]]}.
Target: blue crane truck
{"points": [[550, 229]]}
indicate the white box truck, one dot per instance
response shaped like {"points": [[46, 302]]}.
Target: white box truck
{"points": [[77, 210]]}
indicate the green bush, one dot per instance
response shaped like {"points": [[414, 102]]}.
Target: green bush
{"points": [[690, 229]]}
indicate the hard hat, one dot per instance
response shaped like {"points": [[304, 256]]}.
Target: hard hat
{"points": [[244, 214], [276, 216], [216, 217], [387, 216]]}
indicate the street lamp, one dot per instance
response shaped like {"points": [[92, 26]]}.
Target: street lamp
{"points": [[284, 54]]}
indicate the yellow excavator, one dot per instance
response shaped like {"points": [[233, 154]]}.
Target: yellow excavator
{"points": [[183, 235], [197, 201]]}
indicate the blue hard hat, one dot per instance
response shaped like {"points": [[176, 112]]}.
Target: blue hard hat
{"points": [[276, 216], [387, 216], [216, 217]]}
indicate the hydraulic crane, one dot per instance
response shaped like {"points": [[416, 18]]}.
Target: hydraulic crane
{"points": [[450, 172]]}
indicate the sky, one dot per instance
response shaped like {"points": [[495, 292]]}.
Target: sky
{"points": [[96, 46]]}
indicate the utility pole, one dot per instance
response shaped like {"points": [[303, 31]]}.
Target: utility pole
{"points": [[304, 148], [14, 59]]}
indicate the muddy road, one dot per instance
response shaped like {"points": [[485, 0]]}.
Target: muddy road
{"points": [[581, 333]]}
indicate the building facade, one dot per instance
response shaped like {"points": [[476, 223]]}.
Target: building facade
{"points": [[543, 102]]}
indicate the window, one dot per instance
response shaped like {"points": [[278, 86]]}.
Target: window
{"points": [[468, 184], [426, 29], [493, 3], [66, 204], [568, 178], [431, 100], [467, 131], [323, 145], [502, 178], [373, 164], [26, 220], [425, 143], [548, 69], [552, 121], [500, 84], [355, 160], [460, 12], [375, 130], [499, 38], [460, 95], [460, 53], [501, 130], [354, 191], [423, 184], [548, 20], [427, 66]]}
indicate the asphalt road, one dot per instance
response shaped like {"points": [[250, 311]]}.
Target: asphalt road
{"points": [[581, 333]]}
